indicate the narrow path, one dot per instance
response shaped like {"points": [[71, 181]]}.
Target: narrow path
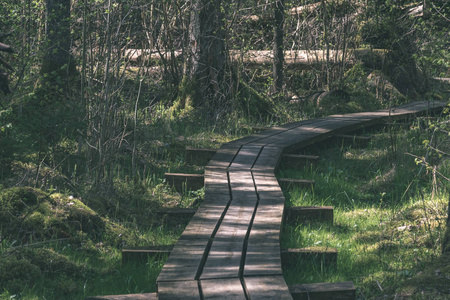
{"points": [[231, 247]]}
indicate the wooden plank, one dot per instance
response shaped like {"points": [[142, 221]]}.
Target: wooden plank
{"points": [[263, 248], [187, 258], [206, 218], [199, 156], [224, 156], [324, 291], [292, 256], [230, 288], [225, 256], [143, 255], [268, 159], [179, 290], [273, 287], [216, 181], [178, 212], [184, 261], [288, 183], [355, 140], [310, 214], [296, 161], [184, 182], [146, 296], [246, 157]]}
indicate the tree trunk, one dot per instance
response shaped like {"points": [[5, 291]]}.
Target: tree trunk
{"points": [[58, 64], [278, 58], [207, 50]]}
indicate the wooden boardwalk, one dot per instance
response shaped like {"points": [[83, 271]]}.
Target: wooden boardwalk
{"points": [[231, 247]]}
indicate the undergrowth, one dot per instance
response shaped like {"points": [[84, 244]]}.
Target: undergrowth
{"points": [[62, 235], [389, 215]]}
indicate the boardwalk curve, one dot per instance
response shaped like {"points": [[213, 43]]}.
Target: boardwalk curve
{"points": [[231, 247]]}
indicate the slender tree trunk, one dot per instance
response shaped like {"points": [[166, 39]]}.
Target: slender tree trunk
{"points": [[278, 57]]}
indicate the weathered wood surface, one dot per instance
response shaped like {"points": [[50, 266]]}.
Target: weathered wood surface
{"points": [[230, 249], [324, 291], [310, 213]]}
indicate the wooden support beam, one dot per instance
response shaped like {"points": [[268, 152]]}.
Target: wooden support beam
{"points": [[199, 156], [178, 212], [146, 296], [292, 256], [309, 214], [185, 182], [288, 183], [324, 291], [295, 161], [143, 255], [355, 140]]}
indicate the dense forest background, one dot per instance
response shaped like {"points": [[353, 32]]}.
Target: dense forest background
{"points": [[100, 97], [92, 74]]}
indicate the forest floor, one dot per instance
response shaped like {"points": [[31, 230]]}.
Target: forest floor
{"points": [[390, 215]]}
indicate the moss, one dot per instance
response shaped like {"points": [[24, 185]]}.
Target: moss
{"points": [[432, 281], [15, 200], [28, 268], [30, 214]]}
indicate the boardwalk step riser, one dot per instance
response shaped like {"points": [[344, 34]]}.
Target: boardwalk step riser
{"points": [[354, 140], [309, 214], [289, 183]]}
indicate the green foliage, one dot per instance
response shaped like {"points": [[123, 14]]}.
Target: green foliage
{"points": [[389, 217]]}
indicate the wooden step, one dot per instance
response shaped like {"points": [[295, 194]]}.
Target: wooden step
{"points": [[327, 254], [185, 182], [147, 296], [324, 291], [354, 140], [309, 214], [312, 291], [296, 161], [178, 213], [142, 255], [288, 183], [199, 156]]}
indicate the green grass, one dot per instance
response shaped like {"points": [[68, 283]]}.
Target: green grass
{"points": [[388, 224]]}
